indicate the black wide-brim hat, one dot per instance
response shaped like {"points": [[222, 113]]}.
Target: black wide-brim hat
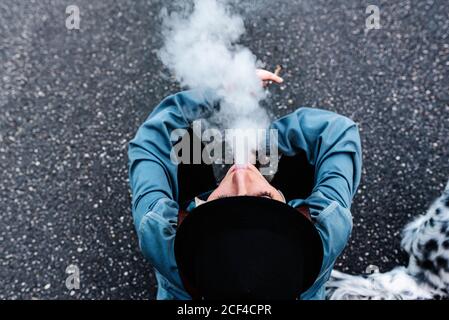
{"points": [[248, 248]]}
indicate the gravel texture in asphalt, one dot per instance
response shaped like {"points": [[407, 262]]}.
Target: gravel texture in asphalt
{"points": [[71, 100]]}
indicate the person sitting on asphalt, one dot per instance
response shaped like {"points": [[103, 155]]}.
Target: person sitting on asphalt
{"points": [[245, 238]]}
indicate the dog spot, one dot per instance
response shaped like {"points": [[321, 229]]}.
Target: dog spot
{"points": [[420, 276], [446, 244], [432, 222], [431, 245], [438, 211], [428, 265], [441, 263]]}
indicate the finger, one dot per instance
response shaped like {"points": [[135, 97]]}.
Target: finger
{"points": [[265, 75], [275, 78]]}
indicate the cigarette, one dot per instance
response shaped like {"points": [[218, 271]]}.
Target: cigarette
{"points": [[277, 72]]}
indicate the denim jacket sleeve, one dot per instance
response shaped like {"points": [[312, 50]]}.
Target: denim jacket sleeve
{"points": [[332, 145], [153, 176]]}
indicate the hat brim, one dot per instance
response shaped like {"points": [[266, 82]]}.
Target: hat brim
{"points": [[249, 212]]}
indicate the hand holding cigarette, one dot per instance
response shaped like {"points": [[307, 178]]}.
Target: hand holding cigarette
{"points": [[268, 77]]}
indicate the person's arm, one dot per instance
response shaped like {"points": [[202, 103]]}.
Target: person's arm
{"points": [[153, 176], [332, 144]]}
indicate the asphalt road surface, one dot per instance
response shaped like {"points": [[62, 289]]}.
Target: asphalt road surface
{"points": [[71, 100]]}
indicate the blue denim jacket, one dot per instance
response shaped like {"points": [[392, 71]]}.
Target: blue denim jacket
{"points": [[332, 145]]}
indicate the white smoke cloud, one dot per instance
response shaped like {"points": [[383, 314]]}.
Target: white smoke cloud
{"points": [[201, 49]]}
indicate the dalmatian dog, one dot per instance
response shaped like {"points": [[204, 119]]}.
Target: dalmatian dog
{"points": [[426, 240]]}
